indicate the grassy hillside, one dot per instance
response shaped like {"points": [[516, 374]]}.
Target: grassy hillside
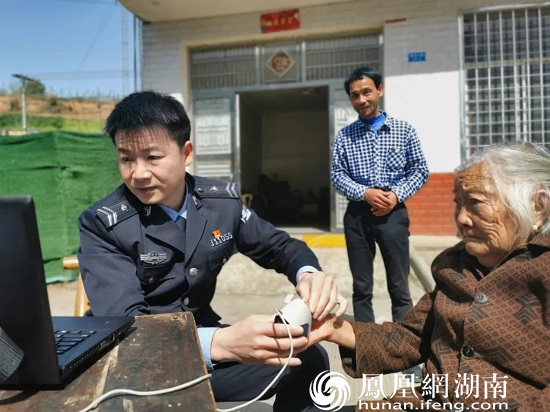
{"points": [[51, 113]]}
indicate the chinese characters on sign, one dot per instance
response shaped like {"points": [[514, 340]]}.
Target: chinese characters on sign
{"points": [[483, 393], [280, 21], [437, 392]]}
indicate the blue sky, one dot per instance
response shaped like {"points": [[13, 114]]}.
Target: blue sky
{"points": [[75, 47]]}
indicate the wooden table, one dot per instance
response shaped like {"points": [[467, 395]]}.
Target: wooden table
{"points": [[161, 351]]}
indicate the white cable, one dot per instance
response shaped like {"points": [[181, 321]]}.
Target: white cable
{"points": [[117, 392], [186, 385], [236, 408]]}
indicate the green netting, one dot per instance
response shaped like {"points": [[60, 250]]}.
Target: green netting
{"points": [[64, 173]]}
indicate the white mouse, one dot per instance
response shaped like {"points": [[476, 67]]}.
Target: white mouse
{"points": [[296, 313]]}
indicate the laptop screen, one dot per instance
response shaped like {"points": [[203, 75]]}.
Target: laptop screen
{"points": [[24, 307], [25, 311]]}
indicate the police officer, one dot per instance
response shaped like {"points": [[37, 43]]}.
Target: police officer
{"points": [[158, 242]]}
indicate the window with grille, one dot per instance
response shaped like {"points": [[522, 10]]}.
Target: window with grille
{"points": [[290, 62], [336, 58], [506, 68], [223, 68]]}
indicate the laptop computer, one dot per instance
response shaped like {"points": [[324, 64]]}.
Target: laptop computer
{"points": [[25, 312]]}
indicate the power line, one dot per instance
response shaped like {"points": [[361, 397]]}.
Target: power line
{"points": [[121, 74], [124, 50], [99, 30]]}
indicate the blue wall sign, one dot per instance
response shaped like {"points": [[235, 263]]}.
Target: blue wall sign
{"points": [[415, 57]]}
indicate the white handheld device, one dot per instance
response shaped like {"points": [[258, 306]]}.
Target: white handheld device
{"points": [[296, 313]]}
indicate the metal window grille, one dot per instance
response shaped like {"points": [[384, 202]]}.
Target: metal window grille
{"points": [[308, 60], [223, 68], [506, 74], [337, 58]]}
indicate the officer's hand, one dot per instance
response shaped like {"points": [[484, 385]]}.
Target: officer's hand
{"points": [[257, 339], [376, 198], [320, 293]]}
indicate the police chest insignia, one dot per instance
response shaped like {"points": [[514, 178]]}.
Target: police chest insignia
{"points": [[153, 258], [220, 238]]}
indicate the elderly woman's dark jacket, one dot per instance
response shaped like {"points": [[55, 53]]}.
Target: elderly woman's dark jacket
{"points": [[475, 322]]}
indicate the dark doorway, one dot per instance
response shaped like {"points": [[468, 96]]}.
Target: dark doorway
{"points": [[285, 155]]}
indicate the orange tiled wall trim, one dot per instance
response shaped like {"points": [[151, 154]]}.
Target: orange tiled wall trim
{"points": [[431, 209]]}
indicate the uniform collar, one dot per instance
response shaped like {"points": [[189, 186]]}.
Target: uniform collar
{"points": [[182, 212]]}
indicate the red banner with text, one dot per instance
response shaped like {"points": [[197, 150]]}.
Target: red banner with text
{"points": [[280, 21]]}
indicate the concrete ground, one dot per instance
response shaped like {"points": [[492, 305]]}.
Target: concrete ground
{"points": [[245, 288]]}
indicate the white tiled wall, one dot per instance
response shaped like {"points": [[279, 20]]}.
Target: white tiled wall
{"points": [[425, 93]]}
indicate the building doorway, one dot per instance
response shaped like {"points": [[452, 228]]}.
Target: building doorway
{"points": [[285, 155]]}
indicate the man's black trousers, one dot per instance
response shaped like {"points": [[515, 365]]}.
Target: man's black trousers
{"points": [[363, 231]]}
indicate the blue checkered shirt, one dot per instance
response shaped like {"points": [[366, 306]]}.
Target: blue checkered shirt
{"points": [[389, 159]]}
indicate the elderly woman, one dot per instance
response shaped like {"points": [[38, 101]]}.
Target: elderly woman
{"points": [[486, 324]]}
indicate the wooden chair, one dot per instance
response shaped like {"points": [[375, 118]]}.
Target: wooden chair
{"points": [[247, 199], [82, 304]]}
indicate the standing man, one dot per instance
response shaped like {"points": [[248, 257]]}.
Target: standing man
{"points": [[377, 164], [158, 242]]}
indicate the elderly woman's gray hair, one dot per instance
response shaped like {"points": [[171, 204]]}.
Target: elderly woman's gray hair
{"points": [[521, 174]]}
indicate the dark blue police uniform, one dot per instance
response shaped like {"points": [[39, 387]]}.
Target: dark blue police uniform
{"points": [[135, 260]]}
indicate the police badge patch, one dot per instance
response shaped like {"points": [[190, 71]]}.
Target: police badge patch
{"points": [[153, 258], [220, 238]]}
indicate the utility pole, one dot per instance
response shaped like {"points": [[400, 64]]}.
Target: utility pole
{"points": [[24, 80], [124, 51]]}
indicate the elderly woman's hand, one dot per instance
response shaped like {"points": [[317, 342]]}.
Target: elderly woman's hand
{"points": [[321, 330], [332, 329]]}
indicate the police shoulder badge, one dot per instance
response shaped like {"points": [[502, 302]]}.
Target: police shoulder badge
{"points": [[245, 215], [113, 214]]}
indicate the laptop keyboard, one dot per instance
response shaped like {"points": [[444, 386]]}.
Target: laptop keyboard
{"points": [[68, 339]]}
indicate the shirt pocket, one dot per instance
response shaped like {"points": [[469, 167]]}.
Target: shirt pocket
{"points": [[152, 276], [218, 258], [395, 159]]}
